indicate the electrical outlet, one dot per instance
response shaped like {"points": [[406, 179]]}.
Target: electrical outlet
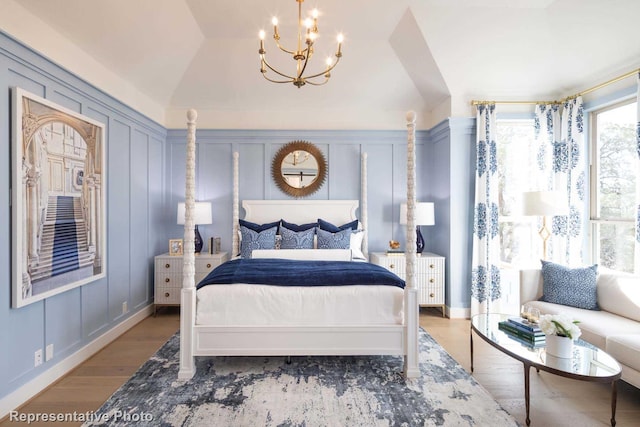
{"points": [[48, 353], [125, 309], [37, 358]]}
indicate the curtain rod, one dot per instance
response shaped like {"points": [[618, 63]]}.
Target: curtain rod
{"points": [[584, 92]]}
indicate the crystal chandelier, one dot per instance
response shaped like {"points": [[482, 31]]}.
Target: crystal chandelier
{"points": [[307, 34]]}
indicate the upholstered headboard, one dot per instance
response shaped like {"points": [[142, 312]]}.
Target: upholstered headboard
{"points": [[300, 211]]}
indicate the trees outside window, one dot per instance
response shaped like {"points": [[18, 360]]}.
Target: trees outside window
{"points": [[613, 186]]}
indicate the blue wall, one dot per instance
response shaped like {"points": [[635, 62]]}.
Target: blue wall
{"points": [[135, 199], [386, 151]]}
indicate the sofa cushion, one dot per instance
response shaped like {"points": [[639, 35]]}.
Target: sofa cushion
{"points": [[575, 287], [596, 326], [625, 349], [620, 294]]}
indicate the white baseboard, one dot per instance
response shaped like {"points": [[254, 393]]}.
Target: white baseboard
{"points": [[459, 313], [29, 390]]}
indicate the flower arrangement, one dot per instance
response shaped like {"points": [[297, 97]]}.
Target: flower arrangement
{"points": [[560, 325]]}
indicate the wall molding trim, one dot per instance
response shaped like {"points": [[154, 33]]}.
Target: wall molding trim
{"points": [[21, 395]]}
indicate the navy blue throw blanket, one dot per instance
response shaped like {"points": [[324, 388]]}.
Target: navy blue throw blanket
{"points": [[284, 272]]}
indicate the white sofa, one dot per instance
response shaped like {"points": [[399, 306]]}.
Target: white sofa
{"points": [[615, 328]]}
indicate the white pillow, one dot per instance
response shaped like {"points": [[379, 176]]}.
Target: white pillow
{"points": [[356, 244], [619, 294], [304, 254]]}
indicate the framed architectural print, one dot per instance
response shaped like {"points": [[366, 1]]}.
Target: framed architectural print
{"points": [[58, 199]]}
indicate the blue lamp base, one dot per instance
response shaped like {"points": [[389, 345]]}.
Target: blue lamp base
{"points": [[197, 238], [419, 240]]}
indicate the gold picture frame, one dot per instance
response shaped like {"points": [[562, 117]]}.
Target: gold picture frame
{"points": [[176, 247]]}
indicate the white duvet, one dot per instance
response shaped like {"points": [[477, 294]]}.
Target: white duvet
{"points": [[247, 305]]}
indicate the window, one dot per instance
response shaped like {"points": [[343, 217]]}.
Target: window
{"points": [[613, 186], [520, 243]]}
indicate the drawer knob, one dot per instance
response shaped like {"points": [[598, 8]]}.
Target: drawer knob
{"points": [[432, 266], [392, 266], [209, 265], [432, 280], [167, 280], [167, 265], [166, 294], [431, 295]]}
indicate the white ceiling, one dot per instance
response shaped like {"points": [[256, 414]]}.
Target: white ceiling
{"points": [[432, 56]]}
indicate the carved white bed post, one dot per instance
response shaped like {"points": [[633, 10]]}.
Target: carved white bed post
{"points": [[364, 218], [236, 206], [411, 368], [188, 294]]}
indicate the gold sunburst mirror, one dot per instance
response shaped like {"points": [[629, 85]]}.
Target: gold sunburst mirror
{"points": [[299, 168]]}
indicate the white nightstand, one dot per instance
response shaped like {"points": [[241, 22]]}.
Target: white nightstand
{"points": [[429, 275], [168, 275]]}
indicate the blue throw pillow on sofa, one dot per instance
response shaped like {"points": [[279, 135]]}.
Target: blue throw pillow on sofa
{"points": [[575, 287]]}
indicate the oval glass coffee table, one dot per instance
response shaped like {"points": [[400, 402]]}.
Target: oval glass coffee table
{"points": [[588, 363]]}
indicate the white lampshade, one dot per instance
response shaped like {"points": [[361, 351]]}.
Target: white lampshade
{"points": [[544, 203], [423, 214], [201, 214]]}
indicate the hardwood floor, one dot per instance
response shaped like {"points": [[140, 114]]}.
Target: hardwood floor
{"points": [[555, 401]]}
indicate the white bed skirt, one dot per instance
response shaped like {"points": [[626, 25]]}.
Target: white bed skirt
{"points": [[250, 305]]}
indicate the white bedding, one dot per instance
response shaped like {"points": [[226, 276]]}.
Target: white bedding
{"points": [[246, 305], [304, 254]]}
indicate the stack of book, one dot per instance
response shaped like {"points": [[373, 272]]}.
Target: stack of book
{"points": [[523, 331]]}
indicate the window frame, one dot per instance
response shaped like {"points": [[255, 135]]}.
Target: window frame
{"points": [[595, 220]]}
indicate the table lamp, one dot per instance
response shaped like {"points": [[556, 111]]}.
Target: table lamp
{"points": [[424, 215], [201, 215], [544, 204]]}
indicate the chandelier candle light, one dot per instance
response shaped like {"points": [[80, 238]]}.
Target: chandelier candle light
{"points": [[302, 54]]}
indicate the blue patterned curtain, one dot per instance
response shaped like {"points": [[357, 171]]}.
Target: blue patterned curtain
{"points": [[561, 162], [485, 280]]}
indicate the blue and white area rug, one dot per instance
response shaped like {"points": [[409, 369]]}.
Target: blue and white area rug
{"points": [[340, 391]]}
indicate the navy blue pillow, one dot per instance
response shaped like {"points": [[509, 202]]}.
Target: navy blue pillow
{"points": [[296, 227], [258, 227], [327, 226], [575, 287]]}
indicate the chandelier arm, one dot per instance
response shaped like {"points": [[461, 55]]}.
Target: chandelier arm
{"points": [[306, 60], [275, 81], [282, 48], [264, 61], [317, 84], [325, 71]]}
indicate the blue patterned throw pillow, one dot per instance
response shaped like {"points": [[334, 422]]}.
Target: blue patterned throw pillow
{"points": [[297, 239], [251, 240], [575, 287], [329, 240]]}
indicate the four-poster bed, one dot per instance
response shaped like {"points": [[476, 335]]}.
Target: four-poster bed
{"points": [[334, 329]]}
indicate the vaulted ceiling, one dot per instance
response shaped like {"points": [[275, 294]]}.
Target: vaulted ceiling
{"points": [[431, 56]]}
